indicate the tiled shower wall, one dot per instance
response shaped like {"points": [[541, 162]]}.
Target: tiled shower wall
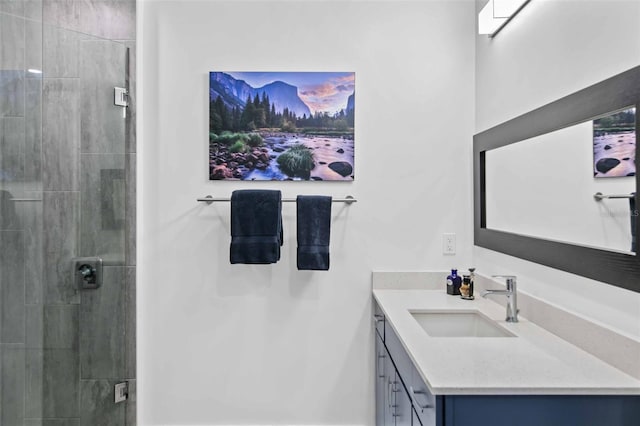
{"points": [[61, 349]]}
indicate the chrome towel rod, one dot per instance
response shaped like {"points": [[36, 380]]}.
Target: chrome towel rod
{"points": [[209, 199], [599, 196], [21, 200]]}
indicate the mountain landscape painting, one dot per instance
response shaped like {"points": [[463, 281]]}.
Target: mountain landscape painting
{"points": [[281, 126]]}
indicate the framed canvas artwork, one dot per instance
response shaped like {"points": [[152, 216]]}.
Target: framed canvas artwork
{"points": [[281, 126]]}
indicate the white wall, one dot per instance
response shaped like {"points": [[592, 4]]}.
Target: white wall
{"points": [[223, 344], [553, 48]]}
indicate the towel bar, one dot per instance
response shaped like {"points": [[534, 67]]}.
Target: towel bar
{"points": [[599, 196], [209, 199]]}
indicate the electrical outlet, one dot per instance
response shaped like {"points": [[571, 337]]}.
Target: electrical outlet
{"points": [[448, 243]]}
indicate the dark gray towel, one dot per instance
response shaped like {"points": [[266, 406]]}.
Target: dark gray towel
{"points": [[314, 229], [256, 226], [634, 214]]}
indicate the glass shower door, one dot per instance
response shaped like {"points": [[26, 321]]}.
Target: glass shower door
{"points": [[62, 197]]}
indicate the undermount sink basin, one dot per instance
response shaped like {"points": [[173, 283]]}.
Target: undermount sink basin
{"points": [[459, 324]]}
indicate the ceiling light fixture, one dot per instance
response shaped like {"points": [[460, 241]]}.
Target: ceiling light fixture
{"points": [[496, 13]]}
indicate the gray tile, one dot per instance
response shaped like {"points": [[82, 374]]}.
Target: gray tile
{"points": [[60, 52], [12, 141], [34, 371], [33, 9], [12, 89], [52, 422], [97, 405], [34, 248], [52, 383], [12, 315], [130, 209], [11, 171], [33, 135], [110, 19], [35, 326], [61, 13], [60, 242], [9, 212], [52, 326], [130, 323], [14, 7], [33, 48], [131, 418], [102, 328], [103, 207], [102, 67], [60, 134], [12, 385], [12, 46]]}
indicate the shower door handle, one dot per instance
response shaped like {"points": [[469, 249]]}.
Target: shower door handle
{"points": [[121, 99], [120, 96]]}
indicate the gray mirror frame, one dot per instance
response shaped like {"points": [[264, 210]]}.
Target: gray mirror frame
{"points": [[615, 268]]}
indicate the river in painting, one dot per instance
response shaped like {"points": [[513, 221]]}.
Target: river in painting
{"points": [[333, 158], [614, 154]]}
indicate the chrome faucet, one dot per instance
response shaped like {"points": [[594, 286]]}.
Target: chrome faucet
{"points": [[512, 296]]}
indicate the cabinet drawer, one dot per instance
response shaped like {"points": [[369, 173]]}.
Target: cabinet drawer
{"points": [[399, 356], [378, 320], [424, 402]]}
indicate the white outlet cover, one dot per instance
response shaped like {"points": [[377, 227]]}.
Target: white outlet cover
{"points": [[448, 243]]}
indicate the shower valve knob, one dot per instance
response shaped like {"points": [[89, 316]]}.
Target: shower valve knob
{"points": [[87, 272]]}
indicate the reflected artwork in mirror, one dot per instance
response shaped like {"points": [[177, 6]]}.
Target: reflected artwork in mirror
{"points": [[536, 178], [614, 144]]}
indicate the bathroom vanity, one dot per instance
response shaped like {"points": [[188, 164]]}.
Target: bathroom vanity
{"points": [[445, 361]]}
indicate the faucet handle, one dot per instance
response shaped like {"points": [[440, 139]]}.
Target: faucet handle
{"points": [[511, 280], [506, 277]]}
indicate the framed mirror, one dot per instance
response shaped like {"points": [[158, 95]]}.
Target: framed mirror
{"points": [[557, 185]]}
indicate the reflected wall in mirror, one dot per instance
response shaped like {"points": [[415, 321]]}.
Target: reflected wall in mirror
{"points": [[535, 181], [545, 186]]}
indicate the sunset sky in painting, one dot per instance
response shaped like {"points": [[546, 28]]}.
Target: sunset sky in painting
{"points": [[321, 91]]}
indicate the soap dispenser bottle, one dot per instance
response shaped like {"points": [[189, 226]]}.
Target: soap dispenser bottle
{"points": [[466, 290], [472, 276], [453, 283]]}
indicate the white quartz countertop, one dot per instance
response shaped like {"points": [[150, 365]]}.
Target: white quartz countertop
{"points": [[534, 362]]}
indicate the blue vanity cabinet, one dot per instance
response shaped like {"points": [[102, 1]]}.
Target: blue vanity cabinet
{"points": [[393, 403], [536, 410], [381, 381], [403, 399], [402, 411], [416, 405], [428, 407]]}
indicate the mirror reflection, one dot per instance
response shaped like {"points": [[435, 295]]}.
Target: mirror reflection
{"points": [[544, 187], [614, 144]]}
